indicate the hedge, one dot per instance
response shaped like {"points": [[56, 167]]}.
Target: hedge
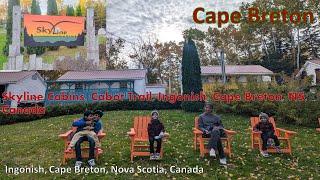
{"points": [[58, 110]]}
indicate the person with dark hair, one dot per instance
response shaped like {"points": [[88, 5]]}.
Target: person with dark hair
{"points": [[267, 134], [212, 128], [155, 133], [87, 129]]}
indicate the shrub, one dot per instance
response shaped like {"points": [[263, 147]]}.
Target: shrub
{"points": [[192, 106], [60, 110]]}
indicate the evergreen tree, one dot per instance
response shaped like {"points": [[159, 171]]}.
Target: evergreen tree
{"points": [[35, 7], [52, 8], [78, 11], [191, 72], [70, 11], [11, 3]]}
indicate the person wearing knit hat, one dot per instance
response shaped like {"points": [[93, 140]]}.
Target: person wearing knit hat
{"points": [[267, 134], [155, 133]]}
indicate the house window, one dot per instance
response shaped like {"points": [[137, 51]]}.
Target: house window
{"points": [[123, 85], [79, 86]]}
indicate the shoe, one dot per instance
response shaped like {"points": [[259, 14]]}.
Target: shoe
{"points": [[157, 156], [78, 164], [152, 156], [278, 149], [223, 161], [91, 163], [212, 152], [265, 154]]}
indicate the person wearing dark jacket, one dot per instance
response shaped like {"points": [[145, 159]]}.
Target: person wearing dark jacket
{"points": [[267, 134], [212, 128], [155, 133], [88, 120]]}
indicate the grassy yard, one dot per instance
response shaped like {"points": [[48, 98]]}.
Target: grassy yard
{"points": [[37, 143], [3, 58]]}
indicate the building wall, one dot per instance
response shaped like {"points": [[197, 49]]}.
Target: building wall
{"points": [[310, 69], [140, 86], [156, 89], [34, 87]]}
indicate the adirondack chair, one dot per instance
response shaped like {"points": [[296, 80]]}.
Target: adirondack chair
{"points": [[282, 134], [140, 139], [318, 129], [198, 140], [66, 137]]}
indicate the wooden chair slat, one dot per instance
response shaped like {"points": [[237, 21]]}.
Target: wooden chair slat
{"points": [[141, 129]]}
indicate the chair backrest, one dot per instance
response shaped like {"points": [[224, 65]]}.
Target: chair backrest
{"points": [[256, 120], [141, 126], [196, 122]]}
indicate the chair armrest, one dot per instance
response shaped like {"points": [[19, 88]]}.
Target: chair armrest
{"points": [[197, 131], [230, 132], [101, 134], [64, 136], [132, 132], [287, 132], [256, 132]]}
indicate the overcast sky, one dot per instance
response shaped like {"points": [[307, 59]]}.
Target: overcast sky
{"points": [[165, 19]]}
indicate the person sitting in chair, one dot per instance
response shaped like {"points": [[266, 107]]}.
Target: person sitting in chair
{"points": [[212, 128], [267, 134], [155, 133], [87, 129]]}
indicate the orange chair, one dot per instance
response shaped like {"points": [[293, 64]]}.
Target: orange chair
{"points": [[66, 137], [282, 134], [198, 140], [140, 139]]}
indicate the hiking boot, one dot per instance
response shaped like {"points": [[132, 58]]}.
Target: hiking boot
{"points": [[223, 161], [78, 164], [265, 154], [157, 156], [152, 156], [91, 162], [212, 152]]}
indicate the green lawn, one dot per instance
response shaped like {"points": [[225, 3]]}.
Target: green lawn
{"points": [[3, 58], [37, 143]]}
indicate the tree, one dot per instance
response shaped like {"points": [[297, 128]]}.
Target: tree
{"points": [[78, 11], [110, 53], [144, 55], [11, 3], [70, 11], [35, 7], [25, 5], [191, 72], [71, 64], [100, 14], [52, 8]]}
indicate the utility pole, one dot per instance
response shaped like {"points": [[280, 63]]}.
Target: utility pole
{"points": [[298, 54], [223, 67]]}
